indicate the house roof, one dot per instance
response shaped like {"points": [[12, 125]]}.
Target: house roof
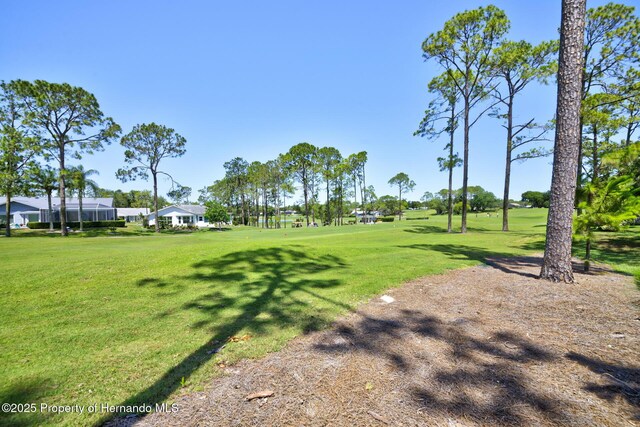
{"points": [[189, 209], [71, 202], [194, 209], [85, 206], [132, 211]]}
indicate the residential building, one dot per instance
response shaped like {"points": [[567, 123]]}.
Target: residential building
{"points": [[26, 209], [178, 215]]}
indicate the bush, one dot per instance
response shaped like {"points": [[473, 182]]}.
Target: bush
{"points": [[85, 224], [387, 218]]}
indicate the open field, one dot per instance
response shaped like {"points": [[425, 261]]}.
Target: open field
{"points": [[133, 318]]}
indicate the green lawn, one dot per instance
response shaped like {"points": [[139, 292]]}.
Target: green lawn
{"points": [[133, 318]]}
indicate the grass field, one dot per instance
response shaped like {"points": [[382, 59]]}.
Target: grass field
{"points": [[133, 318]]}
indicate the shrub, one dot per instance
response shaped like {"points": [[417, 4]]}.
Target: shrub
{"points": [[85, 224], [387, 219]]}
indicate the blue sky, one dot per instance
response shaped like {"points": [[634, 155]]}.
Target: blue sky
{"points": [[253, 78]]}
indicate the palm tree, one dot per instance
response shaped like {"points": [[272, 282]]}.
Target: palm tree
{"points": [[45, 179], [80, 182]]}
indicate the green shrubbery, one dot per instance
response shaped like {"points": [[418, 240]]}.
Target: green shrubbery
{"points": [[165, 226], [387, 218], [85, 224]]}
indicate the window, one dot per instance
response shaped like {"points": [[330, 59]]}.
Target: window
{"points": [[165, 221]]}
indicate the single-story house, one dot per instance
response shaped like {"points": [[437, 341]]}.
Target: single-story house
{"points": [[36, 209], [132, 214], [360, 214], [177, 215]]}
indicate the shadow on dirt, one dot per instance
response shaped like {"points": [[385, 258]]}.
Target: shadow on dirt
{"points": [[623, 381], [483, 379]]}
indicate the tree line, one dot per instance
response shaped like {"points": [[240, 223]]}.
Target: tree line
{"points": [[596, 113], [43, 123], [485, 73], [257, 192]]}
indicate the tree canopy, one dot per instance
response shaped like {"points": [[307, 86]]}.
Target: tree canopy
{"points": [[145, 147]]}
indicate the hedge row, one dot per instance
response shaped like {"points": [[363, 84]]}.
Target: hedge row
{"points": [[85, 224], [387, 219]]}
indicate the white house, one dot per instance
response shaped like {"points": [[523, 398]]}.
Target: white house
{"points": [[132, 214], [177, 215], [365, 217], [25, 209]]}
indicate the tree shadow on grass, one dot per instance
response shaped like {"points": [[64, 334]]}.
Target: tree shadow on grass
{"points": [[430, 229], [503, 261], [483, 379], [613, 248], [23, 393], [89, 232], [425, 229], [278, 287], [623, 382]]}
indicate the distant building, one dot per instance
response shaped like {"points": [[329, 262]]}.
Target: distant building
{"points": [[514, 205], [358, 213], [177, 215], [36, 209], [132, 214]]}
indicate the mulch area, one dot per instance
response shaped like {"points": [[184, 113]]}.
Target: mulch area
{"points": [[482, 346]]}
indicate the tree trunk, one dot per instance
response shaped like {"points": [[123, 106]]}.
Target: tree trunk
{"points": [[277, 200], [579, 171], [328, 220], [587, 255], [450, 195], [242, 208], [7, 211], [596, 160], [507, 167], [341, 212], [284, 202], [256, 206], [355, 192], [306, 199], [80, 208], [155, 200], [465, 166], [63, 197], [265, 202], [627, 139], [399, 203], [557, 255], [50, 210], [363, 195]]}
